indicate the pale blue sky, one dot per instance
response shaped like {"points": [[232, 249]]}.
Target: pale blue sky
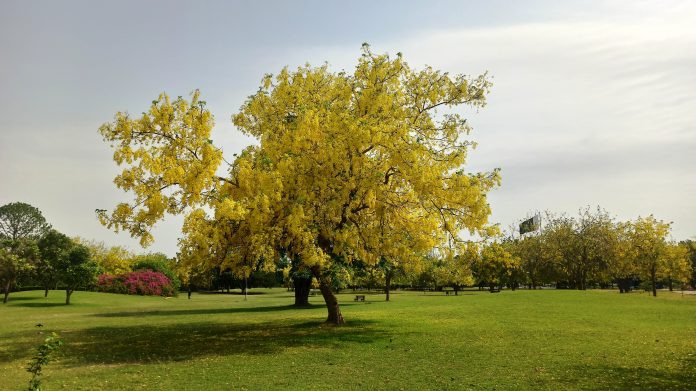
{"points": [[593, 102]]}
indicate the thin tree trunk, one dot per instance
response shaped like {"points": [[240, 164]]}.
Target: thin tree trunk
{"points": [[7, 286], [46, 291], [670, 284], [68, 292], [652, 279], [387, 284]]}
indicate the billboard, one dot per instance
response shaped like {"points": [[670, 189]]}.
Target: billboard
{"points": [[529, 225]]}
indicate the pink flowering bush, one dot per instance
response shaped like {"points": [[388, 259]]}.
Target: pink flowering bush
{"points": [[142, 282]]}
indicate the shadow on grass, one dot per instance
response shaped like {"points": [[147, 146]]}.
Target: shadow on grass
{"points": [[209, 311], [23, 298], [641, 378], [178, 342], [230, 293], [37, 305]]}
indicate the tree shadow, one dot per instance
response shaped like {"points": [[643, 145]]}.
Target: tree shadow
{"points": [[201, 311], [210, 311], [22, 298], [230, 293], [37, 305], [178, 342], [649, 379]]}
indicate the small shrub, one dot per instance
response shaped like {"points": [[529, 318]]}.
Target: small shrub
{"points": [[157, 263], [43, 356]]}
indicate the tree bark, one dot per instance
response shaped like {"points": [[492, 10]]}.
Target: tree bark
{"points": [[624, 284], [334, 311], [653, 279], [68, 292], [387, 283], [302, 288], [6, 288], [670, 284], [45, 291], [246, 287]]}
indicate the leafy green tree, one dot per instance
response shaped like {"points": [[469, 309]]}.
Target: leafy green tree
{"points": [[53, 248], [76, 270], [537, 262], [16, 258], [21, 221]]}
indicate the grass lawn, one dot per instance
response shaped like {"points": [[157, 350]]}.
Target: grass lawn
{"points": [[554, 340]]}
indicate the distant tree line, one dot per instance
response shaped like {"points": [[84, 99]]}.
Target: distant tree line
{"points": [[34, 255], [589, 250]]}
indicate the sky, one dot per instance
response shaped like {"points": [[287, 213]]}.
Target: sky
{"points": [[593, 102]]}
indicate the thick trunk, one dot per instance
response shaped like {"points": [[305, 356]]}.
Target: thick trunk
{"points": [[68, 292], [334, 311], [302, 288], [624, 284], [387, 284]]}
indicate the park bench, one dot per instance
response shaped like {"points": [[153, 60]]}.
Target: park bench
{"points": [[495, 290], [448, 292], [359, 298], [314, 292]]}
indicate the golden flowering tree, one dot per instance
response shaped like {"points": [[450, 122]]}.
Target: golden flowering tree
{"points": [[347, 166], [649, 246]]}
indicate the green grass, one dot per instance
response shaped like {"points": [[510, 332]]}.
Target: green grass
{"points": [[554, 340]]}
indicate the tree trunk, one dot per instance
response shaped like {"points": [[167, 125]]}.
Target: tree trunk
{"points": [[46, 291], [387, 284], [68, 292], [245, 288], [334, 311], [670, 284], [6, 288], [302, 288], [624, 284], [653, 279]]}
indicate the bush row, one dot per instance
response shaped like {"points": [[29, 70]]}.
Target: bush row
{"points": [[141, 282]]}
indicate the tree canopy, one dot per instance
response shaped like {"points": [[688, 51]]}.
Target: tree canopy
{"points": [[19, 220], [357, 166]]}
